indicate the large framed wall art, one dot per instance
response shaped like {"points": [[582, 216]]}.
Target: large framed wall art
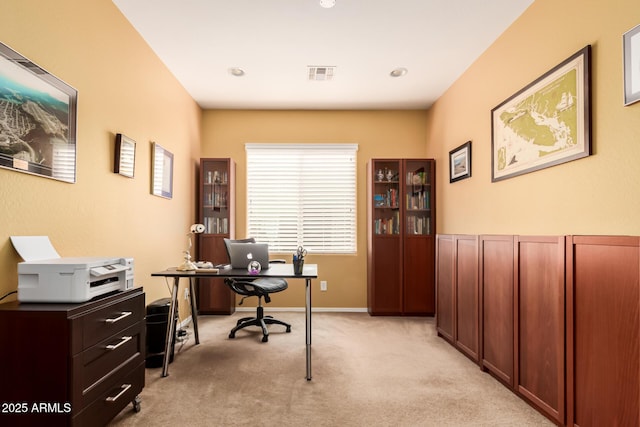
{"points": [[546, 123], [37, 119]]}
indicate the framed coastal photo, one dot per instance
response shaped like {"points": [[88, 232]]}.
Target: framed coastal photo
{"points": [[124, 161], [460, 162], [38, 119], [631, 47], [161, 172], [546, 123]]}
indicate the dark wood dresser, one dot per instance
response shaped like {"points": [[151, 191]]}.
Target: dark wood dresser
{"points": [[71, 364]]}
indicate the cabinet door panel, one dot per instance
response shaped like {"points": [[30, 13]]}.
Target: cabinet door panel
{"points": [[445, 286], [387, 290], [540, 343], [497, 306], [603, 331], [466, 283], [418, 272]]}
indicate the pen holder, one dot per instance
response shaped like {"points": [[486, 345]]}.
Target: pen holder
{"points": [[298, 264]]}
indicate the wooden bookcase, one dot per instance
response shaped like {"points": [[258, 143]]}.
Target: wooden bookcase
{"points": [[401, 242], [216, 211]]}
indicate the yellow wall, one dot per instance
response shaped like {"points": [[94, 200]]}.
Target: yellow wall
{"points": [[379, 134], [595, 195], [123, 88]]}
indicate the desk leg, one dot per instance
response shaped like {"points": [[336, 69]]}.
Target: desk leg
{"points": [[170, 327], [194, 309], [308, 325]]}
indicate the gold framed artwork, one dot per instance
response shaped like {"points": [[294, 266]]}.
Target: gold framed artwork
{"points": [[546, 123]]}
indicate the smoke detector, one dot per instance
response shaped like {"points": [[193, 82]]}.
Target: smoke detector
{"points": [[321, 73]]}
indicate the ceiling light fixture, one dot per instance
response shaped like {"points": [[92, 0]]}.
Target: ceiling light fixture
{"points": [[236, 71], [398, 72], [327, 4]]}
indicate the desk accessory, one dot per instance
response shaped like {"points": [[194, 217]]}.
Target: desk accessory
{"points": [[298, 260], [188, 265]]}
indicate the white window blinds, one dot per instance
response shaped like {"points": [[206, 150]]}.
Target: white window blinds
{"points": [[302, 194]]}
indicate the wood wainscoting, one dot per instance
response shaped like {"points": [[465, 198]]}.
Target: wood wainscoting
{"points": [[526, 307]]}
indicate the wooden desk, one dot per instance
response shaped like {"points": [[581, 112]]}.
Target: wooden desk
{"points": [[283, 271]]}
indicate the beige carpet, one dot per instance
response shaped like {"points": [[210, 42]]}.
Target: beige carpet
{"points": [[367, 371]]}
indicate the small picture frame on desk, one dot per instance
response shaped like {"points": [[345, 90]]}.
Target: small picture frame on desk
{"points": [[125, 156]]}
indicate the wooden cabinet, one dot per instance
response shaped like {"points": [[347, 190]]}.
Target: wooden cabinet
{"points": [[72, 364], [559, 320], [217, 213], [457, 291], [603, 330], [401, 242]]}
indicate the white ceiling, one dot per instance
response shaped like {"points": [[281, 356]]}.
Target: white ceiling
{"points": [[274, 41]]}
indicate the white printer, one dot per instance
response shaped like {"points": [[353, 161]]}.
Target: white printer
{"points": [[46, 277]]}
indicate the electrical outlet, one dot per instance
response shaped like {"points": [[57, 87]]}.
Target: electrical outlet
{"points": [[323, 285], [186, 294]]}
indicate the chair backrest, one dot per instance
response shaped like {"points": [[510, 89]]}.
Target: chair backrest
{"points": [[228, 242]]}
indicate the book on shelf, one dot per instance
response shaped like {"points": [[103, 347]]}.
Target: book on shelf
{"points": [[387, 225], [418, 177], [418, 225], [418, 200], [215, 225]]}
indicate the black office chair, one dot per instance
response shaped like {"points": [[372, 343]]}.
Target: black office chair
{"points": [[261, 288]]}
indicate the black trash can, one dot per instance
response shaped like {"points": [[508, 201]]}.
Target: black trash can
{"points": [[157, 322]]}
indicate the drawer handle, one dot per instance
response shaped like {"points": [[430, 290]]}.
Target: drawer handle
{"points": [[123, 340], [122, 316], [124, 387]]}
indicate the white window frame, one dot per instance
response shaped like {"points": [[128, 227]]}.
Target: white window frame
{"points": [[303, 194]]}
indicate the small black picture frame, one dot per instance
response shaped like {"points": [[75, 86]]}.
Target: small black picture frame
{"points": [[124, 161], [460, 162]]}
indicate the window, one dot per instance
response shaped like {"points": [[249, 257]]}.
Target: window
{"points": [[302, 194]]}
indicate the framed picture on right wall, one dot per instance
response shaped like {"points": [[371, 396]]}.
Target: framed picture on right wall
{"points": [[631, 47], [546, 123]]}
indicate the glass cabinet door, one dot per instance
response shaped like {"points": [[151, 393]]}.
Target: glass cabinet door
{"points": [[418, 194], [386, 197], [215, 196]]}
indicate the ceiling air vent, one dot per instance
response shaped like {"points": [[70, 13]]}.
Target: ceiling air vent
{"points": [[321, 73]]}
